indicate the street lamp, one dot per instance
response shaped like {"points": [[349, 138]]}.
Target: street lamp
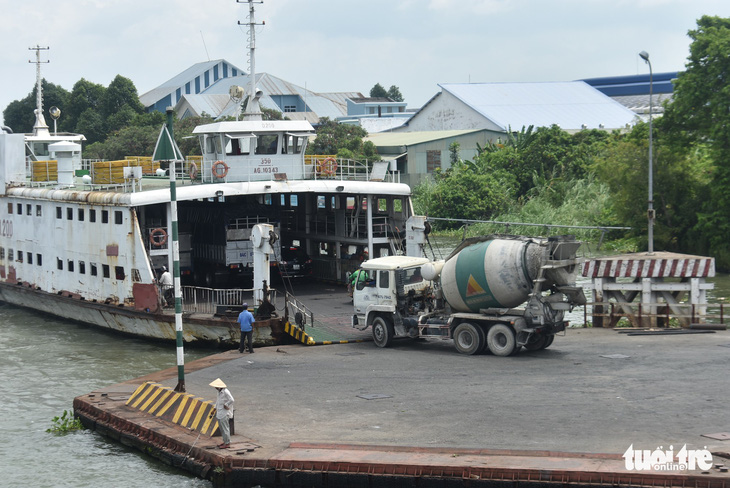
{"points": [[650, 211]]}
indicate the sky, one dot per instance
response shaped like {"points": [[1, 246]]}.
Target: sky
{"points": [[346, 46]]}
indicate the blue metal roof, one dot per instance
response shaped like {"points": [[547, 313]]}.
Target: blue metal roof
{"points": [[633, 84], [572, 105]]}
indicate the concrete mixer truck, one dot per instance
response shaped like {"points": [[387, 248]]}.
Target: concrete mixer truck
{"points": [[495, 293]]}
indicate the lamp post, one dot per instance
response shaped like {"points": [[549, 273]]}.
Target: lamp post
{"points": [[650, 210]]}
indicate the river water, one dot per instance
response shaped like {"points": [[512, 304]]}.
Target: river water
{"points": [[45, 363]]}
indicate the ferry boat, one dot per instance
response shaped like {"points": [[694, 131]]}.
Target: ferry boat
{"points": [[88, 242]]}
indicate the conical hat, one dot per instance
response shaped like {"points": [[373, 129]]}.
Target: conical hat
{"points": [[218, 383]]}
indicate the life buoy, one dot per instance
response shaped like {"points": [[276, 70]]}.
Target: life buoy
{"points": [[327, 166], [193, 171], [158, 237], [220, 169]]}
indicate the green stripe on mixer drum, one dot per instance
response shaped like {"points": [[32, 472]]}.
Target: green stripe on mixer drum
{"points": [[471, 278]]}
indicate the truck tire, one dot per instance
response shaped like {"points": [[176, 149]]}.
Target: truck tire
{"points": [[383, 331], [538, 342], [550, 340], [468, 338], [501, 340]]}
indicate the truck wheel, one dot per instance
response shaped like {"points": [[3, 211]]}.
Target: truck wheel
{"points": [[537, 342], [550, 340], [468, 338], [383, 331], [501, 340]]}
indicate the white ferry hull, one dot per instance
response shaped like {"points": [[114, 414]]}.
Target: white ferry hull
{"points": [[158, 326]]}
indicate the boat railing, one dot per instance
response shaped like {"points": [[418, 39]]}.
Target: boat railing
{"points": [[316, 167], [197, 299], [296, 312]]}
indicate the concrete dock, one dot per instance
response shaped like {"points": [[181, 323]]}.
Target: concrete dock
{"points": [[420, 414]]}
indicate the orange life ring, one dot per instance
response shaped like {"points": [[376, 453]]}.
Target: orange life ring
{"points": [[158, 237], [327, 166], [219, 169], [193, 171]]}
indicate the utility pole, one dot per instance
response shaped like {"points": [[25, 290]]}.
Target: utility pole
{"points": [[40, 127]]}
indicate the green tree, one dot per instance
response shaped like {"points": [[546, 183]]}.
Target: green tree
{"points": [[395, 94], [699, 117], [121, 92], [19, 115], [378, 91], [84, 95], [129, 140]]}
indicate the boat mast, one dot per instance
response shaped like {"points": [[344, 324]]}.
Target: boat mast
{"points": [[253, 110], [40, 128]]}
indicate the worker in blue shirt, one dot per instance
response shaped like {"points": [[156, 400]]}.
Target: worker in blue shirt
{"points": [[245, 319]]}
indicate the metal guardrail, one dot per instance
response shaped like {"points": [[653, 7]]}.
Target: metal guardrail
{"points": [[298, 313], [684, 313], [197, 299]]}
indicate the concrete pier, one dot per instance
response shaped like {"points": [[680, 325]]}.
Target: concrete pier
{"points": [[420, 414]]}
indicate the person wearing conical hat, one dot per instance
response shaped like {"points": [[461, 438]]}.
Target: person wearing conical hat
{"points": [[224, 411]]}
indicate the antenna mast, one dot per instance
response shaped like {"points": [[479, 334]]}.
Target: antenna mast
{"points": [[40, 128], [253, 111]]}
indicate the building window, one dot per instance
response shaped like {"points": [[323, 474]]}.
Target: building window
{"points": [[118, 217], [105, 270], [38, 211], [105, 216], [59, 213], [82, 267], [39, 259], [92, 215], [81, 215], [119, 272], [59, 264], [433, 160], [290, 108], [69, 213], [94, 271]]}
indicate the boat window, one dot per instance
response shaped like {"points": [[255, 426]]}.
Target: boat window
{"points": [[81, 215], [105, 216], [293, 201], [267, 144], [20, 256], [119, 272], [30, 257], [217, 144], [20, 209], [59, 213], [71, 265], [69, 213], [29, 209], [40, 149], [10, 255], [92, 215], [82, 267], [294, 145], [382, 205], [118, 217], [2, 253], [39, 259], [105, 270], [94, 271], [59, 264], [10, 208], [38, 211], [136, 276], [238, 146]]}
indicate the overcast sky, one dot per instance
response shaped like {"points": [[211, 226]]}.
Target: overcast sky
{"points": [[343, 45]]}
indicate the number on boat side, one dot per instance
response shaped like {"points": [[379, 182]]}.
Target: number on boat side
{"points": [[6, 228]]}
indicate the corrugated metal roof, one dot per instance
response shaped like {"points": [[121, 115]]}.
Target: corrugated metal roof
{"points": [[151, 97], [410, 138], [572, 105]]}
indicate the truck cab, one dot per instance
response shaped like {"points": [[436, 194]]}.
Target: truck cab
{"points": [[394, 292]]}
